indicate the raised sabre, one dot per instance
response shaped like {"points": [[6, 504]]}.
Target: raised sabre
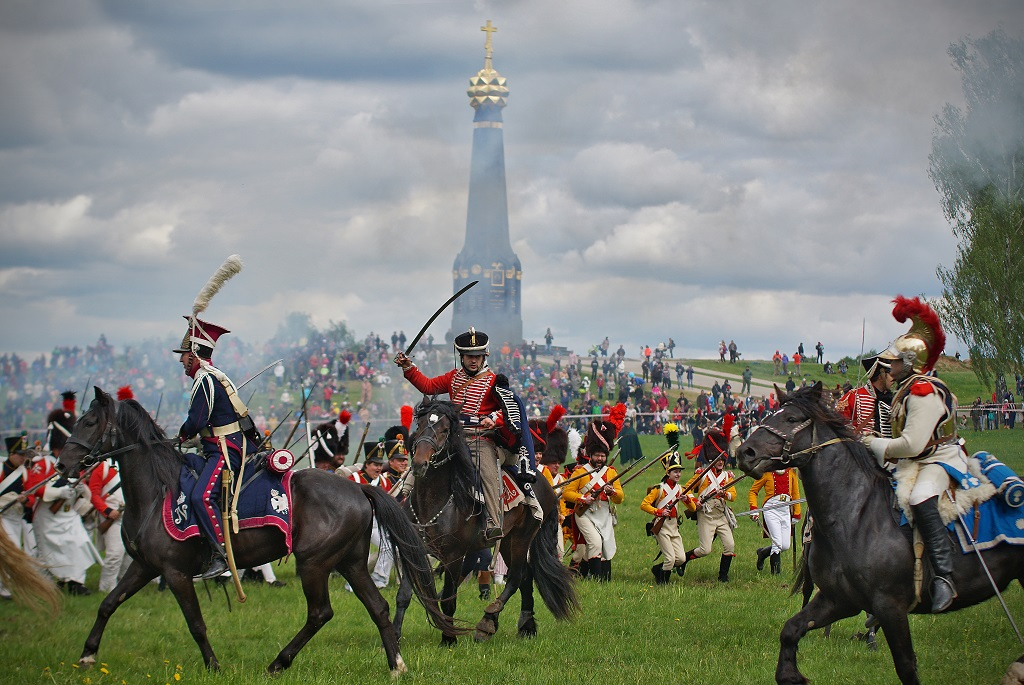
{"points": [[436, 314]]}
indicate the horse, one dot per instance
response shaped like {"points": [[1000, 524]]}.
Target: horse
{"points": [[443, 504], [330, 517], [861, 558]]}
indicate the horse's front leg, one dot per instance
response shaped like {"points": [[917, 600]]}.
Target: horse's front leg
{"points": [[184, 590], [135, 578], [449, 595], [821, 611]]}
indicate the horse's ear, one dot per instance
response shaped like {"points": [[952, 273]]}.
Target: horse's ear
{"points": [[780, 393], [99, 393], [816, 389]]}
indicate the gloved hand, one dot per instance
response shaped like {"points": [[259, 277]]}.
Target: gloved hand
{"points": [[660, 513], [51, 493], [755, 517], [82, 489]]}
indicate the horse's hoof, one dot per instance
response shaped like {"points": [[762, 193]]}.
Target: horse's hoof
{"points": [[399, 668], [276, 667], [87, 662], [486, 628], [449, 640], [213, 666], [527, 625]]}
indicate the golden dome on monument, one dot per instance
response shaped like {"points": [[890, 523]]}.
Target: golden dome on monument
{"points": [[488, 87]]}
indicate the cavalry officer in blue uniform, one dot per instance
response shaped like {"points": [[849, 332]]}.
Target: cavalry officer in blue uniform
{"points": [[219, 417]]}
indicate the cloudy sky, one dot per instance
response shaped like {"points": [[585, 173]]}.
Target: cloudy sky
{"points": [[700, 170]]}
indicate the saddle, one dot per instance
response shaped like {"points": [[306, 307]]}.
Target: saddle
{"points": [[265, 500], [991, 507]]}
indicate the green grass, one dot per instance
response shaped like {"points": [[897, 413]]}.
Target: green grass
{"points": [[630, 630]]}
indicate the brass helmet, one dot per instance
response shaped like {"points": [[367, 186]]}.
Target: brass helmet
{"points": [[921, 346]]}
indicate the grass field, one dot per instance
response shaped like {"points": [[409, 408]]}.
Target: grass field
{"points": [[630, 631]]}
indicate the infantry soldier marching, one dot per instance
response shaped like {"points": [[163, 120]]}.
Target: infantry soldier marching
{"points": [[220, 418], [593, 492], [472, 389], [714, 518], [661, 502], [13, 472], [780, 487], [61, 540], [924, 432]]}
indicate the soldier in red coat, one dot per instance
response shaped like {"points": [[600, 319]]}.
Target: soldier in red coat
{"points": [[472, 389], [869, 407]]}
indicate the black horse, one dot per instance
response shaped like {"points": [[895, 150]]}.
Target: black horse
{"points": [[331, 521], [444, 506], [861, 559]]}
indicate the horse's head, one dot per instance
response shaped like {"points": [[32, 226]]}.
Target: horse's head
{"points": [[434, 425], [94, 433], [785, 438]]}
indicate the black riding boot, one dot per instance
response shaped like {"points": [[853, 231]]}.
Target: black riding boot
{"points": [[762, 554], [218, 563], [592, 568], [723, 568], [776, 563], [936, 542], [606, 570]]}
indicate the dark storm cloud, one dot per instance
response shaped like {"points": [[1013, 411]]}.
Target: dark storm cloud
{"points": [[667, 162]]}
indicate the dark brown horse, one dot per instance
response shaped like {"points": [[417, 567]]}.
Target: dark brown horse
{"points": [[331, 521], [861, 559], [444, 506]]}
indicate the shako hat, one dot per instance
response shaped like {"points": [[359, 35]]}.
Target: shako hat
{"points": [[471, 342], [201, 333], [16, 444], [374, 452]]}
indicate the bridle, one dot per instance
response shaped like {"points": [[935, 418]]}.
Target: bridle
{"points": [[111, 436], [786, 456], [431, 440]]}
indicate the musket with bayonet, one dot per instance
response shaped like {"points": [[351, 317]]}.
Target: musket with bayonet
{"points": [[583, 506], [302, 413], [779, 505], [359, 448], [660, 520], [159, 403]]}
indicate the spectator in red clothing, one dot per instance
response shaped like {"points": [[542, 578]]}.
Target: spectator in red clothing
{"points": [[797, 358]]}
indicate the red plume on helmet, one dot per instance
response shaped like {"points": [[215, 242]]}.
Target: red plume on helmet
{"points": [[727, 426], [345, 416], [125, 393], [617, 416], [557, 412], [926, 326], [406, 416]]}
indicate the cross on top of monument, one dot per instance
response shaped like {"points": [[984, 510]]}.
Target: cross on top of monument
{"points": [[489, 29]]}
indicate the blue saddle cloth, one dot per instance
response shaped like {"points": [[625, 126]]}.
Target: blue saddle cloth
{"points": [[265, 500], [996, 523]]}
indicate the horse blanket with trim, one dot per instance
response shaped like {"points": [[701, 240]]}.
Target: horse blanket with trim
{"points": [[265, 500]]}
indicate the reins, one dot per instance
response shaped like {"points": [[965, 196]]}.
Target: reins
{"points": [[785, 458]]}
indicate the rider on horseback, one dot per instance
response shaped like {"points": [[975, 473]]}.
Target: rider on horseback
{"points": [[923, 429], [472, 388], [220, 418]]}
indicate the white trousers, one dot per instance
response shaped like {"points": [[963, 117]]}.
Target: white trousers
{"points": [[777, 522]]}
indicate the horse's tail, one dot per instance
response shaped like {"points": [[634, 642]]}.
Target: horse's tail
{"points": [[411, 555], [554, 581], [21, 574]]}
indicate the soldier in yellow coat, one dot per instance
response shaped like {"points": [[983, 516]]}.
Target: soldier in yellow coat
{"points": [[714, 516], [593, 497], [662, 503], [780, 487]]}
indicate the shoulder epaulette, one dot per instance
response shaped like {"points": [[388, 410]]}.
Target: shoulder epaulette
{"points": [[922, 388]]}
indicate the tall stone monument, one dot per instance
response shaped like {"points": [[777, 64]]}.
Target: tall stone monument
{"points": [[494, 305]]}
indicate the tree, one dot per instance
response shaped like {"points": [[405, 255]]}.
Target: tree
{"points": [[977, 165]]}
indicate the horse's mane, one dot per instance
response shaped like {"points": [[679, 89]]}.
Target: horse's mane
{"points": [[137, 425], [808, 400], [463, 473]]}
